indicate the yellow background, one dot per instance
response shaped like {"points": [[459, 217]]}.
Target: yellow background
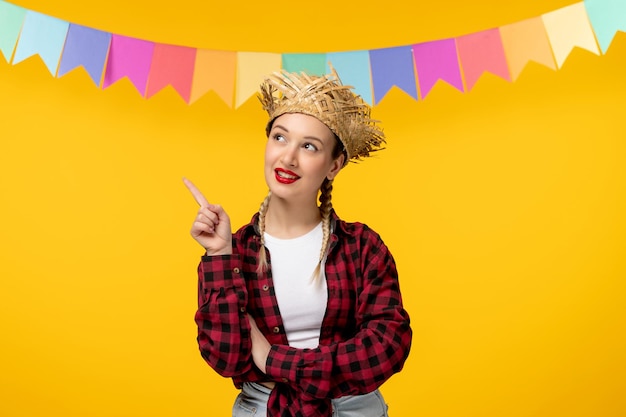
{"points": [[504, 208]]}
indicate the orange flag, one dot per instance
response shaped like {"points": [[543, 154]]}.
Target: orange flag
{"points": [[215, 70], [525, 41]]}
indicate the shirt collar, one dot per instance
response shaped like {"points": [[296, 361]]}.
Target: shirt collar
{"points": [[336, 225]]}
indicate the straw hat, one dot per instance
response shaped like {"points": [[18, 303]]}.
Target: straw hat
{"points": [[328, 100]]}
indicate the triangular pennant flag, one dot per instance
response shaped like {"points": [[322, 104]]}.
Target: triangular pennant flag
{"points": [[252, 67], [312, 64], [480, 52], [85, 47], [42, 35], [172, 65], [354, 69], [214, 70], [567, 28], [392, 66], [129, 57], [437, 60], [607, 17], [11, 20], [525, 41]]}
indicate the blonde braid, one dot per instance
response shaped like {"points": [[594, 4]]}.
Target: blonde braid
{"points": [[262, 253], [326, 206]]}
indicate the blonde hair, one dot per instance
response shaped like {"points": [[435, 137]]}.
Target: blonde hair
{"points": [[262, 266], [325, 207]]}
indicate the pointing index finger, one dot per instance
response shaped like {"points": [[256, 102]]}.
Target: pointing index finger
{"points": [[197, 194]]}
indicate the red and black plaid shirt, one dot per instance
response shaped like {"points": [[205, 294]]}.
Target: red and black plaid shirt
{"points": [[365, 335]]}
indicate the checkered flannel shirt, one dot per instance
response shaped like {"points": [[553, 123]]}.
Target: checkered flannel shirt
{"points": [[365, 335]]}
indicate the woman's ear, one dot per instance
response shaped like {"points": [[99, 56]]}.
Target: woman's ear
{"points": [[336, 167]]}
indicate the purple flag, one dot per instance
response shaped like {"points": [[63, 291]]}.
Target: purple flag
{"points": [[392, 66], [87, 47]]}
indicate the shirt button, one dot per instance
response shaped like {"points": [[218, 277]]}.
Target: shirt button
{"points": [[242, 309], [266, 287], [276, 329], [236, 270]]}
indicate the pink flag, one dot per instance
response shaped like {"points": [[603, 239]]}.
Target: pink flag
{"points": [[129, 57], [172, 65], [435, 61], [480, 52]]}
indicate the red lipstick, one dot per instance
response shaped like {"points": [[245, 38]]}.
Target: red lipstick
{"points": [[284, 176]]}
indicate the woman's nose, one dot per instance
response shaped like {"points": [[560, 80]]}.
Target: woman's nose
{"points": [[290, 156]]}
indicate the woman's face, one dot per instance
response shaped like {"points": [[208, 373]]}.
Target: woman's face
{"points": [[298, 156]]}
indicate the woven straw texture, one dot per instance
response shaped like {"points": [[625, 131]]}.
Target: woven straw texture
{"points": [[331, 102]]}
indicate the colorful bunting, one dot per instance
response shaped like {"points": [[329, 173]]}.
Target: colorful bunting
{"points": [[392, 66], [129, 57], [235, 76], [214, 70], [171, 65], [567, 28], [41, 35], [85, 47], [314, 64], [251, 68], [437, 60], [354, 68], [480, 52], [607, 17], [525, 41], [11, 20]]}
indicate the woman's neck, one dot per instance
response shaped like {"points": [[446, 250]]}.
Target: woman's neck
{"points": [[287, 221]]}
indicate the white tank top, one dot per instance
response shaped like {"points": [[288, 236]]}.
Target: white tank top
{"points": [[301, 297]]}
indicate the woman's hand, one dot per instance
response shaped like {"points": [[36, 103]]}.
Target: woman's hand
{"points": [[260, 345], [211, 228]]}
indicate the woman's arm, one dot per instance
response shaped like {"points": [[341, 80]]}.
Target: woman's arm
{"points": [[362, 363], [223, 326]]}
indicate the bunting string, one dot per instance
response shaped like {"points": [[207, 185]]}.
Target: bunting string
{"points": [[235, 75]]}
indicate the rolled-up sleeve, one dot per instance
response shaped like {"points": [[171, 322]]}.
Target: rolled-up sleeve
{"points": [[223, 327]]}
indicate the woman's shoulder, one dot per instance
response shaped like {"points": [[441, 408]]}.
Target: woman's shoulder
{"points": [[352, 228], [249, 229], [360, 240]]}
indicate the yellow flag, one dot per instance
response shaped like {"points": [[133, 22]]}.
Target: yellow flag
{"points": [[569, 27], [252, 67]]}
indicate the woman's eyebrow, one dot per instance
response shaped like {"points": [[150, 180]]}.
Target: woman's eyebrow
{"points": [[306, 137], [282, 127]]}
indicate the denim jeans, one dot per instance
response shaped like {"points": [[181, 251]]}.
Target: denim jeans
{"points": [[252, 402]]}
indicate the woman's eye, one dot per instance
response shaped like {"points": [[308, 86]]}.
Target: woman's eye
{"points": [[310, 147], [279, 137]]}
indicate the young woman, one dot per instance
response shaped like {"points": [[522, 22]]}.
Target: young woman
{"points": [[301, 309]]}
